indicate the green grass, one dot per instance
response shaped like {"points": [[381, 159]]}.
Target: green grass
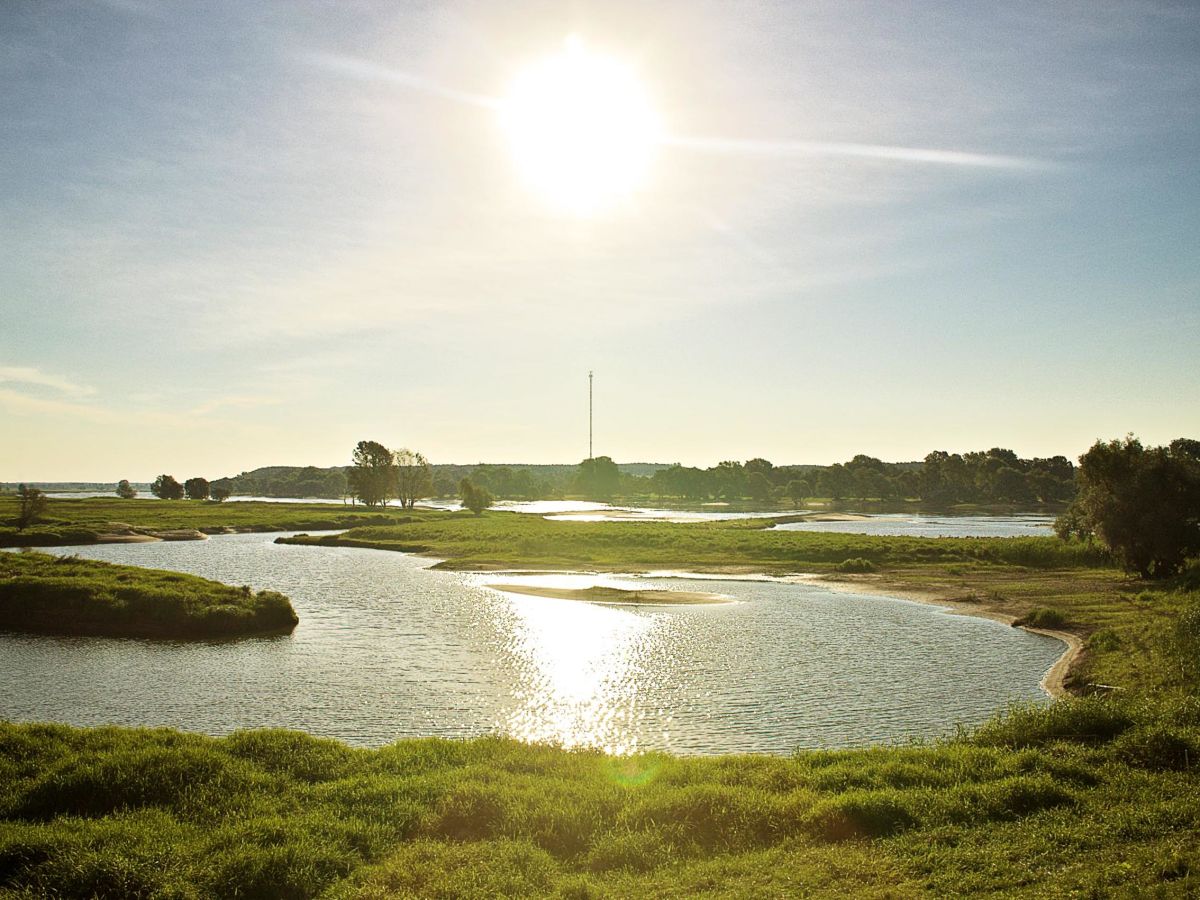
{"points": [[503, 539], [81, 521], [66, 595], [1088, 796]]}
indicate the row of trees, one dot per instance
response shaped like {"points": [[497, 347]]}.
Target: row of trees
{"points": [[379, 475], [287, 481], [165, 487]]}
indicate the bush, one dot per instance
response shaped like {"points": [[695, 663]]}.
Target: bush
{"points": [[1043, 617], [856, 565]]}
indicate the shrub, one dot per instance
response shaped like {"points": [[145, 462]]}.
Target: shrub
{"points": [[1043, 617], [856, 564]]}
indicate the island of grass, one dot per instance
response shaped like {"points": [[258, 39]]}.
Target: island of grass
{"points": [[70, 596]]}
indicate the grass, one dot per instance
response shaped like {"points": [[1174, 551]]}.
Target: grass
{"points": [[1088, 797], [81, 521], [503, 539], [66, 595]]}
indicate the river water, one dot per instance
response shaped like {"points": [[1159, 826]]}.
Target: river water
{"points": [[387, 648]]}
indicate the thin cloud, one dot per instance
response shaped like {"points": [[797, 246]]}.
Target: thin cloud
{"points": [[27, 375], [363, 70], [738, 147]]}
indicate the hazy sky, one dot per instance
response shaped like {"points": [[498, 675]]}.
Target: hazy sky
{"points": [[240, 234]]}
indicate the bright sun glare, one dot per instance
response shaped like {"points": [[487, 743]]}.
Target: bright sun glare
{"points": [[581, 128]]}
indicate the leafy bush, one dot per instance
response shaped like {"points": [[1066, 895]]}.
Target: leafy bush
{"points": [[856, 564], [1043, 617]]}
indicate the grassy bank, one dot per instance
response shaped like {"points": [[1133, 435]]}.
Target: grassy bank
{"points": [[64, 595], [1086, 798], [512, 540], [83, 521]]}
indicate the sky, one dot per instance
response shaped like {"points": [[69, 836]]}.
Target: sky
{"points": [[243, 234]]}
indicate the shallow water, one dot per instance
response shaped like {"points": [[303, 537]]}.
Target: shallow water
{"points": [[387, 648], [914, 525]]}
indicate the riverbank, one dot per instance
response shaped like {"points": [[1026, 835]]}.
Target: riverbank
{"points": [[58, 595]]}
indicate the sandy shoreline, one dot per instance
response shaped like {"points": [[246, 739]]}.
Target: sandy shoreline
{"points": [[1053, 682], [600, 594]]}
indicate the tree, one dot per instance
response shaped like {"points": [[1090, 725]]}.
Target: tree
{"points": [[597, 478], [372, 478], [165, 487], [1142, 504], [125, 490], [196, 488], [31, 503], [220, 492], [414, 479], [473, 497], [798, 491], [758, 486]]}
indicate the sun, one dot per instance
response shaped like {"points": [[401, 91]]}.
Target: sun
{"points": [[581, 128]]}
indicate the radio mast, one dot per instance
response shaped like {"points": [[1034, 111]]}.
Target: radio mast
{"points": [[590, 415]]}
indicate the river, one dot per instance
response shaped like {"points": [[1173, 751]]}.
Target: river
{"points": [[388, 648]]}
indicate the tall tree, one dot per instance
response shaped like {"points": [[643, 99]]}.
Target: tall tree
{"points": [[31, 503], [414, 478], [165, 487], [125, 490], [597, 478], [372, 477]]}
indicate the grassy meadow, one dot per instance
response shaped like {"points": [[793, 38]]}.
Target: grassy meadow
{"points": [[1086, 798], [506, 540], [65, 595], [82, 521]]}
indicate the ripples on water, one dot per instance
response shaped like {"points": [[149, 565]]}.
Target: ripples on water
{"points": [[388, 649]]}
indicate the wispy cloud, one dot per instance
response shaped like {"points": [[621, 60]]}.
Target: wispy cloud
{"points": [[363, 70], [741, 147], [29, 376]]}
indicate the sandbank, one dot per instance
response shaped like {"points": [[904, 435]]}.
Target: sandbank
{"points": [[600, 594]]}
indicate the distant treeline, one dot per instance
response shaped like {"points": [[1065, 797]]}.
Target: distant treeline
{"points": [[983, 477], [991, 476]]}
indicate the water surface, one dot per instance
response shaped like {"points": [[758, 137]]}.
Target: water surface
{"points": [[388, 649]]}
